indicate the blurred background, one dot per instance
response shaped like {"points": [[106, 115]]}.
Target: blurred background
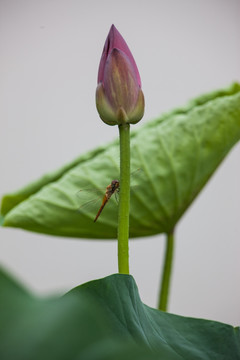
{"points": [[49, 56]]}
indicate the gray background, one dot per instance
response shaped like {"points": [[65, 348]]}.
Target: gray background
{"points": [[49, 56]]}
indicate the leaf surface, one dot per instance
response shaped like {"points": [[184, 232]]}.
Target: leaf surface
{"points": [[177, 153], [101, 320]]}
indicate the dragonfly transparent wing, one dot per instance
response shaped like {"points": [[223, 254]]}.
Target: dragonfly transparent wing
{"points": [[134, 179], [91, 198], [136, 174]]}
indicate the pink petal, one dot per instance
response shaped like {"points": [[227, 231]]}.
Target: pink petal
{"points": [[115, 41], [120, 82]]}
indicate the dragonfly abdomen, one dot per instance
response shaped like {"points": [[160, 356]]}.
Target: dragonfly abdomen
{"points": [[110, 190], [105, 200]]}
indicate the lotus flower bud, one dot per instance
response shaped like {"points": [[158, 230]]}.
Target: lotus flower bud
{"points": [[119, 97]]}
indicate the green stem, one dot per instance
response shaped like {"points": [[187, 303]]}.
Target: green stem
{"points": [[167, 270], [124, 200]]}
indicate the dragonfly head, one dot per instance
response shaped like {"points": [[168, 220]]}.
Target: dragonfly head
{"points": [[115, 185]]}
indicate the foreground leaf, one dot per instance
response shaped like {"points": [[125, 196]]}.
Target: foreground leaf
{"points": [[72, 327], [178, 153], [101, 320], [182, 337]]}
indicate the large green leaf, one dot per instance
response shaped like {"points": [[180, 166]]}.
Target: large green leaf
{"points": [[70, 327], [101, 320], [177, 154]]}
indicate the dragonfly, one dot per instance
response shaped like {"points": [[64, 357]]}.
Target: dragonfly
{"points": [[104, 195]]}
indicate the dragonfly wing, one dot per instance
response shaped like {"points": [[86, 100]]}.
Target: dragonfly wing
{"points": [[89, 198], [90, 192], [136, 175], [94, 204], [90, 204], [116, 195]]}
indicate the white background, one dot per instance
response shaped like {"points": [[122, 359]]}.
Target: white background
{"points": [[49, 56]]}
